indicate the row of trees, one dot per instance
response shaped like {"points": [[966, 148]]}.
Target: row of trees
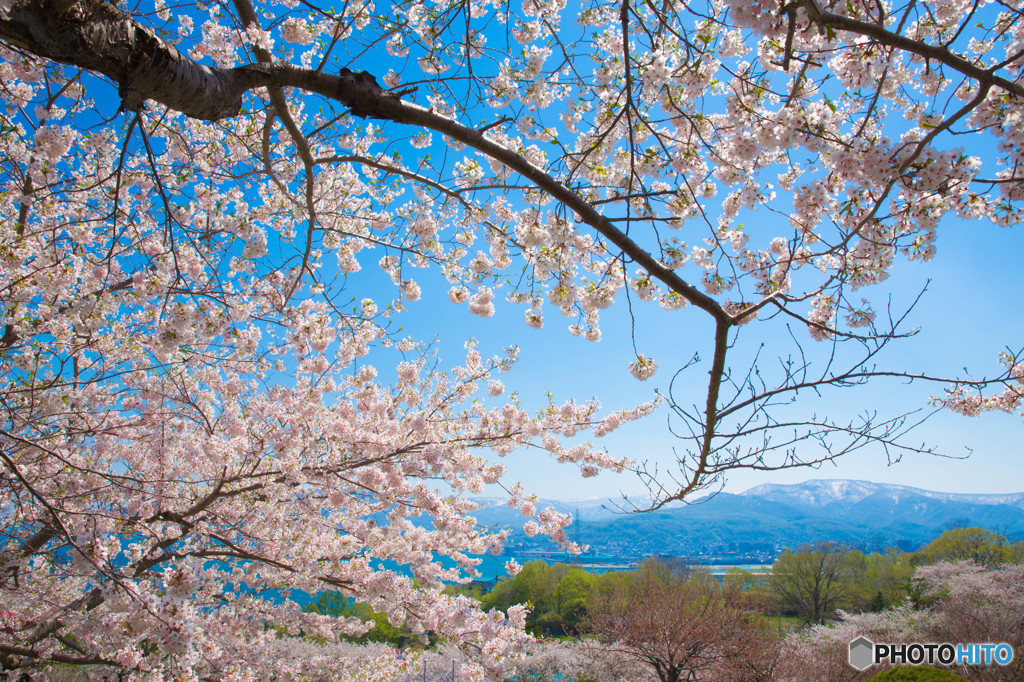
{"points": [[810, 583], [557, 597], [677, 626], [960, 602], [676, 623], [814, 581]]}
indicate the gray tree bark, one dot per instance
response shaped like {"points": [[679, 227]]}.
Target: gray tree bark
{"points": [[98, 36]]}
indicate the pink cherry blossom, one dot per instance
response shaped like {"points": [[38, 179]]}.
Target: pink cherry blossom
{"points": [[210, 406]]}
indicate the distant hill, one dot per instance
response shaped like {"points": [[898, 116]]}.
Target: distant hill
{"points": [[759, 522]]}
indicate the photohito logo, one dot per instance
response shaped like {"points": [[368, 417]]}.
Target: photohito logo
{"points": [[865, 653]]}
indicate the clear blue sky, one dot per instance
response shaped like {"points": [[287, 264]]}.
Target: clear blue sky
{"points": [[971, 311]]}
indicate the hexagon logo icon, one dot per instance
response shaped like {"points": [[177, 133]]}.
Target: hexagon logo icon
{"points": [[862, 652]]}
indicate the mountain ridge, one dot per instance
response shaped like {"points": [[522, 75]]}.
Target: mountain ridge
{"points": [[760, 521], [766, 489]]}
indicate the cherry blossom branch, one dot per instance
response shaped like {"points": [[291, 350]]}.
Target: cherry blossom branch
{"points": [[941, 54], [249, 18], [388, 168], [35, 656], [210, 93]]}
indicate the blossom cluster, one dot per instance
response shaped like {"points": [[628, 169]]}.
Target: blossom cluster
{"points": [[208, 400]]}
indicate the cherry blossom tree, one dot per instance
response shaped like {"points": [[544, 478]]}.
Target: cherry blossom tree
{"points": [[969, 604], [580, 659], [682, 627], [193, 419]]}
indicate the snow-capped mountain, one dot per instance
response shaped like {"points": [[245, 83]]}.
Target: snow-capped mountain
{"points": [[859, 513], [822, 493]]}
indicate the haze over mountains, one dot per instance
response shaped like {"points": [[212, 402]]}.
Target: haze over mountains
{"points": [[757, 523]]}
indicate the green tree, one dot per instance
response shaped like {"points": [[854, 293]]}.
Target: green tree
{"points": [[891, 574], [522, 588], [915, 674], [982, 546], [335, 604], [571, 597], [814, 581], [879, 580], [861, 589], [556, 595], [744, 580]]}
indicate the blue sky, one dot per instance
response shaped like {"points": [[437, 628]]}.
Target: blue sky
{"points": [[968, 315], [970, 312]]}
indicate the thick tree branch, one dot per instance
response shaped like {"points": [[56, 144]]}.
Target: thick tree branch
{"points": [[94, 35], [97, 36]]}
